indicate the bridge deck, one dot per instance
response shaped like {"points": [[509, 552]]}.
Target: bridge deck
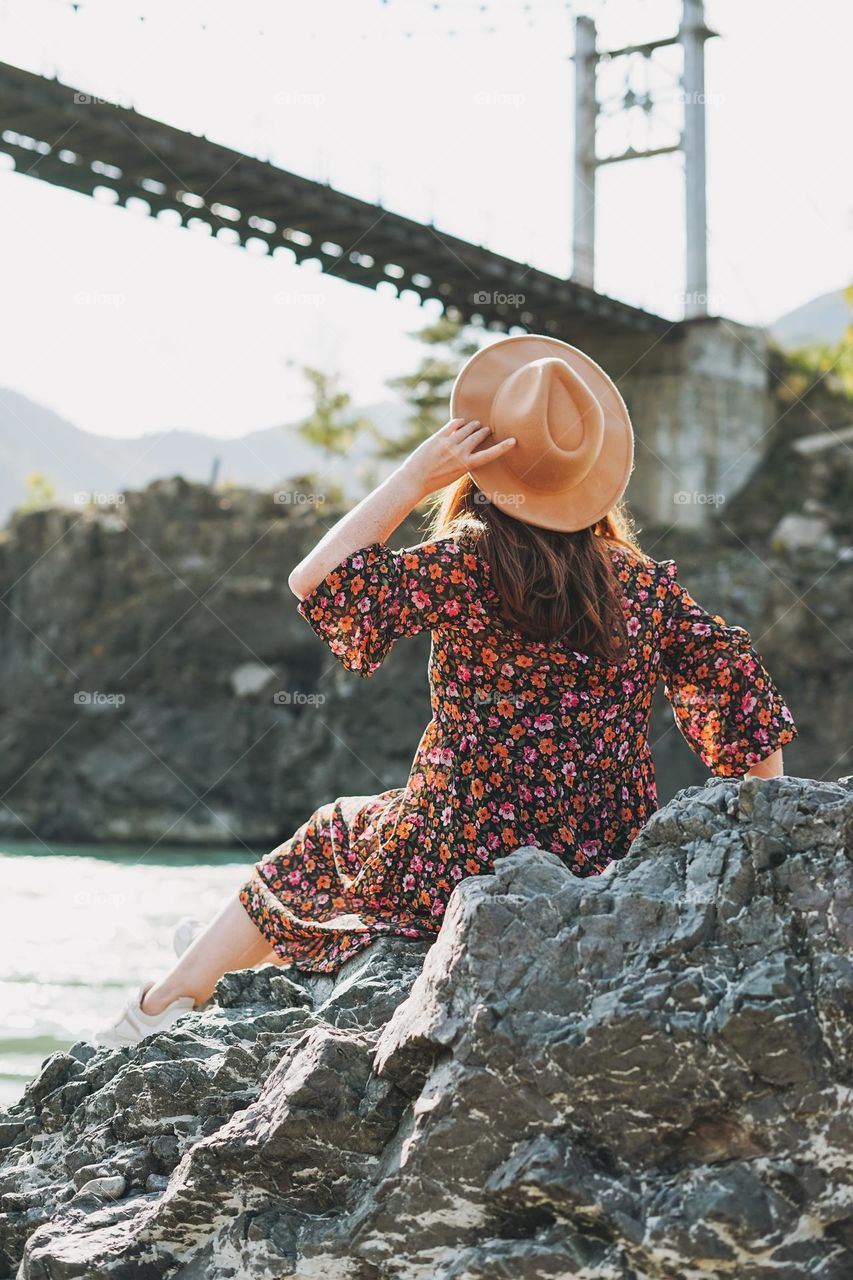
{"points": [[63, 136]]}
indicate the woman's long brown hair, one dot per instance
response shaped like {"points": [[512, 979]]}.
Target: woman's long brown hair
{"points": [[550, 584]]}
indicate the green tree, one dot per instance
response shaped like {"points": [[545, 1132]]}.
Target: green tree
{"points": [[39, 492], [829, 362], [330, 425], [427, 390]]}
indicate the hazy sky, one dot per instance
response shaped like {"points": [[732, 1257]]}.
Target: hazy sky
{"points": [[125, 324]]}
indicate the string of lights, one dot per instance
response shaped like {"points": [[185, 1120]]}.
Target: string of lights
{"points": [[437, 13], [437, 18]]}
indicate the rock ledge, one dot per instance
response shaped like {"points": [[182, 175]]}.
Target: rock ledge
{"points": [[646, 1074]]}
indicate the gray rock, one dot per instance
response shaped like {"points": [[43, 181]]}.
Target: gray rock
{"points": [[803, 533], [107, 1188], [250, 679], [639, 1076], [199, 662]]}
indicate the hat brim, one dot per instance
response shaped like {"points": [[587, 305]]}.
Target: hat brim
{"points": [[600, 490]]}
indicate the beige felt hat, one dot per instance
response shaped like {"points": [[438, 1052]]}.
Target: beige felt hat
{"points": [[575, 444]]}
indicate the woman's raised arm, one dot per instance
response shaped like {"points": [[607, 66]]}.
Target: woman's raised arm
{"points": [[441, 459]]}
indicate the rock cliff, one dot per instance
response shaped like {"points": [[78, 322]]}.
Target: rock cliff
{"points": [[642, 1075], [157, 684]]}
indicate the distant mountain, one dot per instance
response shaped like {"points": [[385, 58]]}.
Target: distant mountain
{"points": [[824, 319], [34, 439]]}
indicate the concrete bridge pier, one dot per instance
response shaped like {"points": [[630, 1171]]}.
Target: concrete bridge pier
{"points": [[699, 400]]}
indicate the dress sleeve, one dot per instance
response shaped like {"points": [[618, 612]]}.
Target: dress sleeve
{"points": [[724, 701], [377, 595]]}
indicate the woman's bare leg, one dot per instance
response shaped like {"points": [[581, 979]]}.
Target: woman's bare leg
{"points": [[230, 941], [771, 767]]}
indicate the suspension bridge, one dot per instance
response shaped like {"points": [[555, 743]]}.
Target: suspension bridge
{"points": [[697, 388], [61, 135]]}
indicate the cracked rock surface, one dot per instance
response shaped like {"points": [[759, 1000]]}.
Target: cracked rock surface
{"points": [[644, 1074]]}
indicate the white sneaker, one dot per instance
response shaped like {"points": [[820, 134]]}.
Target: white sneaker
{"points": [[186, 932], [132, 1025]]}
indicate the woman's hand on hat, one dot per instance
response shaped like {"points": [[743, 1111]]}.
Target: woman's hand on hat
{"points": [[442, 458], [451, 452]]}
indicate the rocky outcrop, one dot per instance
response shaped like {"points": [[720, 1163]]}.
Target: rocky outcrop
{"points": [[158, 685], [646, 1074]]}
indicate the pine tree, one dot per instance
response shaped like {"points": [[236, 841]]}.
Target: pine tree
{"points": [[427, 390], [330, 426]]}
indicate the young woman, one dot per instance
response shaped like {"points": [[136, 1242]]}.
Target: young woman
{"points": [[550, 629]]}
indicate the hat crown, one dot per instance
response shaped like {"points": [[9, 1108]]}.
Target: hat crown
{"points": [[557, 420], [574, 445]]}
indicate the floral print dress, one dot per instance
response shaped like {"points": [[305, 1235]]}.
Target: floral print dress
{"points": [[530, 743]]}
